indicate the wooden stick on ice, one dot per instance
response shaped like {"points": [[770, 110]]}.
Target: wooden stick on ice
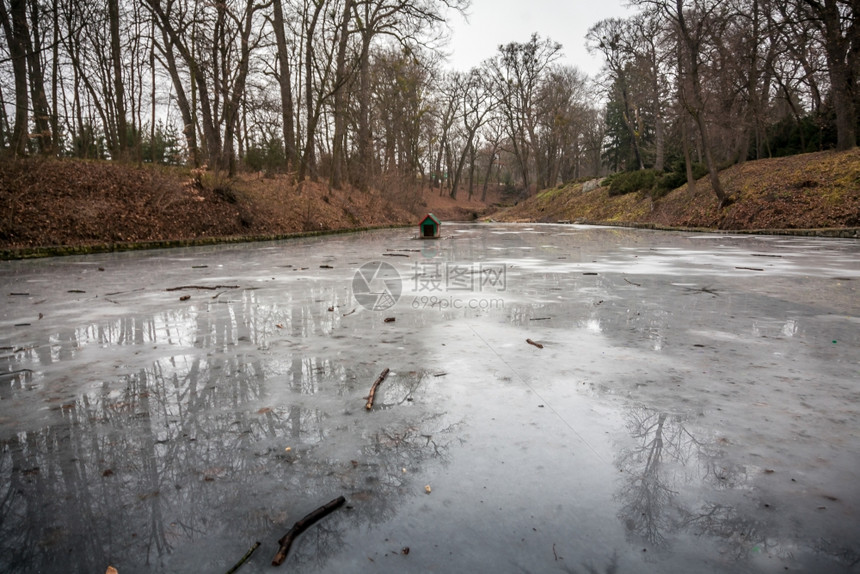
{"points": [[303, 525], [376, 384]]}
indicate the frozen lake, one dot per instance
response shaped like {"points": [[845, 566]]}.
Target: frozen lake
{"points": [[687, 403]]}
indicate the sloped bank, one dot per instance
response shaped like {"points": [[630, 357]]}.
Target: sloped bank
{"points": [[64, 207], [810, 194]]}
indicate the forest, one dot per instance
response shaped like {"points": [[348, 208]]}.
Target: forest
{"points": [[358, 92]]}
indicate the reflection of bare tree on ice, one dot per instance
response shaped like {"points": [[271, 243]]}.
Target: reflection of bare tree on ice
{"points": [[645, 493], [666, 458], [168, 456]]}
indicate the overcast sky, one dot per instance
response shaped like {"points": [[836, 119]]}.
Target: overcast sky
{"points": [[495, 22]]}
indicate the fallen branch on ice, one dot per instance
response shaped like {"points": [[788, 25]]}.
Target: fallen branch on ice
{"points": [[202, 287], [303, 525], [244, 558], [376, 384]]}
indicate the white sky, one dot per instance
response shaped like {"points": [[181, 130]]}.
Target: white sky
{"points": [[495, 22]]}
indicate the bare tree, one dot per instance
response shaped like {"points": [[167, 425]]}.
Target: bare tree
{"points": [[15, 27], [493, 134], [187, 108], [119, 88], [342, 77], [838, 24], [400, 105], [218, 61], [561, 113], [314, 86], [518, 71], [613, 37], [694, 23], [285, 84], [403, 21], [447, 96], [476, 102], [651, 56]]}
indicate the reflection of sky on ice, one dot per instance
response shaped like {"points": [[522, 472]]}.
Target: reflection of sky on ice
{"points": [[705, 413]]}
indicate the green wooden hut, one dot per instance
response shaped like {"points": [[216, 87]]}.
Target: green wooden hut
{"points": [[429, 227]]}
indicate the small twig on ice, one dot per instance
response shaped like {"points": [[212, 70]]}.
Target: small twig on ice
{"points": [[180, 288], [376, 384], [303, 525], [530, 342], [244, 558], [123, 292], [707, 290], [631, 282]]}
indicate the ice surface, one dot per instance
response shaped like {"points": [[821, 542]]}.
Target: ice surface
{"points": [[695, 406]]}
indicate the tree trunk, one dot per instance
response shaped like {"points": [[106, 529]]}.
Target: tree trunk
{"points": [[521, 150], [16, 29], [5, 132], [489, 171], [41, 113], [119, 90], [438, 173], [152, 149], [365, 138], [472, 157], [713, 172], [308, 163], [199, 86], [339, 140], [460, 163], [55, 75], [696, 107], [233, 100], [211, 134], [189, 130], [631, 127], [285, 83], [685, 125], [842, 66], [659, 137]]}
